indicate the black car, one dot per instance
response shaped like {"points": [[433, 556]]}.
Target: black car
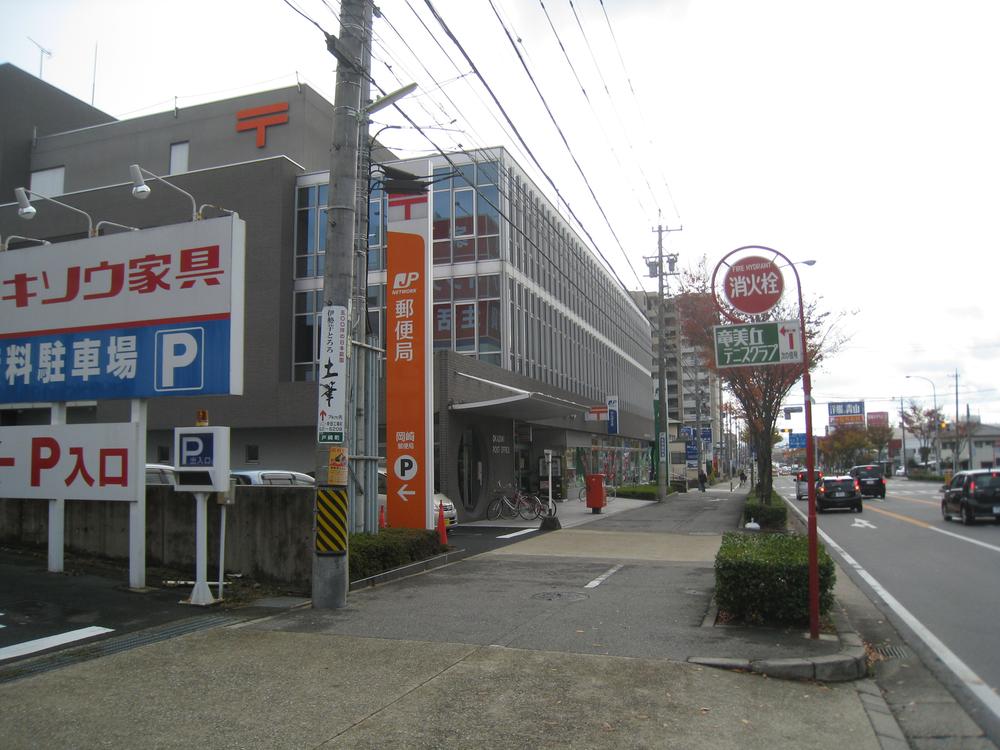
{"points": [[971, 495], [871, 479], [838, 492]]}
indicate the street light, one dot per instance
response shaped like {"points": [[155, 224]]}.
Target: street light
{"points": [[27, 212], [141, 190], [937, 421]]}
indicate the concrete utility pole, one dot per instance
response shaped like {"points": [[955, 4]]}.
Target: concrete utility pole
{"points": [[330, 579], [663, 439]]}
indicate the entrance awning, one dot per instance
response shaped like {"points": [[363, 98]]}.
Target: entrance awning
{"points": [[521, 404]]}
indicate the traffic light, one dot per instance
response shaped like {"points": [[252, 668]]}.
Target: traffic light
{"points": [[944, 424]]}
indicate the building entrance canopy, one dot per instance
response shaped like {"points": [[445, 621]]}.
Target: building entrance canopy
{"points": [[520, 404]]}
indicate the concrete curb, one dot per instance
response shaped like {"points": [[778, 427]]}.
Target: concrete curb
{"points": [[409, 570], [850, 664]]}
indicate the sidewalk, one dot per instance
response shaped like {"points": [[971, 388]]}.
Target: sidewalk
{"points": [[516, 648]]}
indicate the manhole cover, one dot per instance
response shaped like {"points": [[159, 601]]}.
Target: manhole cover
{"points": [[560, 596]]}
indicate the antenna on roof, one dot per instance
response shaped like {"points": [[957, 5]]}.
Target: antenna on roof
{"points": [[42, 54]]}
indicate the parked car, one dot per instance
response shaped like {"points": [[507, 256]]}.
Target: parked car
{"points": [[450, 514], [802, 483], [900, 471], [871, 479], [160, 474], [838, 492], [273, 478], [971, 495]]}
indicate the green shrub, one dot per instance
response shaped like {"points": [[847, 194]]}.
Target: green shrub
{"points": [[371, 554], [640, 491], [773, 517], [764, 578]]}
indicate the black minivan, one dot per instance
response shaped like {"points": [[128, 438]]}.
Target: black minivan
{"points": [[871, 479], [971, 495]]}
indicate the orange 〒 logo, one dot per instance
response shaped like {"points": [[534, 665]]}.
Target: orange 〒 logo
{"points": [[260, 119]]}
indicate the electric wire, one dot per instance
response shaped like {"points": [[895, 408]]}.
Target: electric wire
{"points": [[517, 132]]}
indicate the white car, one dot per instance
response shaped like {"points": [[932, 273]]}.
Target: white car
{"points": [[160, 474], [272, 478], [450, 514], [900, 471]]}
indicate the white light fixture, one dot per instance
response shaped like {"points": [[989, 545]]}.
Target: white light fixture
{"points": [[141, 190], [26, 211]]}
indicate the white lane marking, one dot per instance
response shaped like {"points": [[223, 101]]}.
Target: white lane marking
{"points": [[40, 644], [976, 685], [860, 523], [602, 578], [517, 533]]}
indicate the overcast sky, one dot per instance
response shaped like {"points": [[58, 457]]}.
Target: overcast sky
{"points": [[863, 134]]}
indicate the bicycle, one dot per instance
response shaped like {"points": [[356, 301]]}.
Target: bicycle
{"points": [[517, 504]]}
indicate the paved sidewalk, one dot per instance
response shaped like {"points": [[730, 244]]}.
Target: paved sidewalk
{"points": [[578, 638]]}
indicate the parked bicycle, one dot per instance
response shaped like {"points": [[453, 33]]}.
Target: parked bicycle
{"points": [[511, 503]]}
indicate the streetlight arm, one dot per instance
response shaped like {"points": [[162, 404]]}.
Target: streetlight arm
{"points": [[22, 193], [138, 183]]}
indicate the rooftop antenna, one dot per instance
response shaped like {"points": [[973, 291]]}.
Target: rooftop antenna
{"points": [[42, 54]]}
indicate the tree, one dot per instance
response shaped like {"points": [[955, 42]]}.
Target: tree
{"points": [[760, 391], [924, 424], [879, 436], [846, 447]]}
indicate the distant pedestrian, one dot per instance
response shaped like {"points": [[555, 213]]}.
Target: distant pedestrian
{"points": [[743, 477], [702, 479]]}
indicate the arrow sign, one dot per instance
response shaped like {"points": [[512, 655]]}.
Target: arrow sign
{"points": [[405, 493], [860, 523]]}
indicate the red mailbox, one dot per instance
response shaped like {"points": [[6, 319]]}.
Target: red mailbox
{"points": [[596, 498]]}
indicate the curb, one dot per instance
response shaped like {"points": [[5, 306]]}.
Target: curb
{"points": [[409, 570], [850, 664]]}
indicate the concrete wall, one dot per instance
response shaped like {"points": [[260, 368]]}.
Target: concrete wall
{"points": [[268, 531]]}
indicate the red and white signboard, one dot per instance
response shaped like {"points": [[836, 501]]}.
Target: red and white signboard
{"points": [[753, 285], [75, 462]]}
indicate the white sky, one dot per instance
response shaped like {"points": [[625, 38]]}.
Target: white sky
{"points": [[863, 134]]}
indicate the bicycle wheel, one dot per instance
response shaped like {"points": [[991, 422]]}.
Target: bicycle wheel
{"points": [[508, 508], [529, 507], [582, 495], [549, 508], [494, 509]]}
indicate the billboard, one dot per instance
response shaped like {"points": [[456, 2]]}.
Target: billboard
{"points": [[847, 413], [157, 312], [878, 419]]}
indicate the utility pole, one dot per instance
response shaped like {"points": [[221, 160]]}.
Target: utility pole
{"points": [[954, 452], [902, 426], [330, 573], [663, 439]]}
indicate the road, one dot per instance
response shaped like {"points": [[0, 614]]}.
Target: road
{"points": [[937, 579]]}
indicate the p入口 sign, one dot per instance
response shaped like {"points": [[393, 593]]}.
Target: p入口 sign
{"points": [[131, 315], [78, 462]]}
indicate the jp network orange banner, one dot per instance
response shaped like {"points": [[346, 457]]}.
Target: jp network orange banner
{"points": [[409, 399]]}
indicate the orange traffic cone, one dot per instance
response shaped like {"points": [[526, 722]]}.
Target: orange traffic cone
{"points": [[381, 517], [442, 529]]}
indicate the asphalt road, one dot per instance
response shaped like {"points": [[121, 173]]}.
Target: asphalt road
{"points": [[938, 581]]}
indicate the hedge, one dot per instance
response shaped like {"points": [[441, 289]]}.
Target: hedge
{"points": [[764, 578], [773, 517], [371, 554]]}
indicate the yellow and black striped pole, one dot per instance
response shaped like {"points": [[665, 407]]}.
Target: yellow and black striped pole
{"points": [[331, 521]]}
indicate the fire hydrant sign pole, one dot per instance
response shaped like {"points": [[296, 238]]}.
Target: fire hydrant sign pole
{"points": [[753, 285]]}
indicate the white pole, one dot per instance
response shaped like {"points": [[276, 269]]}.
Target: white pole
{"points": [[201, 595], [137, 510], [222, 547], [57, 509]]}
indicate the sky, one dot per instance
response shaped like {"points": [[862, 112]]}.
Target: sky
{"points": [[861, 134]]}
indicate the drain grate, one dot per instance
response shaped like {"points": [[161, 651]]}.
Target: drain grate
{"points": [[892, 652], [115, 645], [560, 596]]}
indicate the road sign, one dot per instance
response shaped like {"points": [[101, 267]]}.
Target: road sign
{"points": [[754, 344], [797, 441], [330, 416], [753, 285]]}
